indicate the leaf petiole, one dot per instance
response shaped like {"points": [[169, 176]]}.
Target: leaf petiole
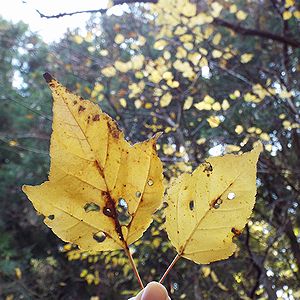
{"points": [[133, 265], [176, 258]]}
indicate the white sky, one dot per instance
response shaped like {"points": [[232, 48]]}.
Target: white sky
{"points": [[49, 29]]}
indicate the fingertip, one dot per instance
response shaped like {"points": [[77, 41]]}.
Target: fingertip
{"points": [[155, 291]]}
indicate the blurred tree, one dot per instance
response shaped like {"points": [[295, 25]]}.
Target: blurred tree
{"points": [[214, 77]]}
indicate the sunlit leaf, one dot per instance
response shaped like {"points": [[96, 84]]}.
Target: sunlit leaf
{"points": [[211, 206], [101, 191]]}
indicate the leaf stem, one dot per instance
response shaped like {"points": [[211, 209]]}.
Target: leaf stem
{"points": [[133, 265], [169, 268]]}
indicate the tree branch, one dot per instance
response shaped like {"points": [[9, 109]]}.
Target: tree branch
{"points": [[100, 10], [255, 32], [217, 21]]}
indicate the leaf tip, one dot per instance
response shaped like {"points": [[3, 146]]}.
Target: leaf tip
{"points": [[157, 136], [258, 147], [48, 77]]}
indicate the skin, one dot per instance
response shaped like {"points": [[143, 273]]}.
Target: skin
{"points": [[153, 291]]}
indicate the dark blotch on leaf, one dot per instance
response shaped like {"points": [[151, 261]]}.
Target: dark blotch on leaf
{"points": [[235, 231], [192, 205], [81, 108], [96, 118], [91, 206], [99, 237]]}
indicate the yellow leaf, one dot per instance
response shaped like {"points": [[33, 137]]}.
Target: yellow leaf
{"points": [[180, 30], [208, 99], [142, 40], [216, 9], [217, 38], [138, 104], [297, 14], [167, 55], [18, 273], [13, 143], [109, 71], [213, 205], [83, 273], [239, 129], [216, 106], [119, 39], [189, 9], [160, 44], [123, 102], [233, 8], [216, 53], [101, 190], [232, 148], [285, 94], [122, 66], [245, 58], [165, 100], [137, 61], [289, 3], [103, 52], [241, 15], [225, 104], [188, 103], [202, 106], [201, 141], [287, 15], [268, 147], [206, 271], [265, 137], [194, 58], [78, 39], [213, 121], [168, 75]]}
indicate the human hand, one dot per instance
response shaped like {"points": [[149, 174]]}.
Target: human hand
{"points": [[153, 291]]}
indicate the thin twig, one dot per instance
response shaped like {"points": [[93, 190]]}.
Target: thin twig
{"points": [[169, 268]]}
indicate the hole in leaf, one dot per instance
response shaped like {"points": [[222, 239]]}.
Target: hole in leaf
{"points": [[124, 217], [231, 196], [51, 217], [150, 182], [219, 201], [138, 194], [91, 206], [99, 236], [216, 205], [192, 205]]}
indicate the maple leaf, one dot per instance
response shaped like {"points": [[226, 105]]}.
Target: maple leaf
{"points": [[211, 206], [101, 190]]}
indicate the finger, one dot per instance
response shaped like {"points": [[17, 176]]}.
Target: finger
{"points": [[153, 291]]}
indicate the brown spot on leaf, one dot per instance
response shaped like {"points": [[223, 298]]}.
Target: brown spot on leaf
{"points": [[207, 168], [110, 211], [81, 108], [96, 118], [114, 130], [75, 102], [235, 231]]}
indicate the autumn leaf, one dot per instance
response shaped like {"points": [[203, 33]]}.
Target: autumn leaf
{"points": [[101, 190], [208, 208]]}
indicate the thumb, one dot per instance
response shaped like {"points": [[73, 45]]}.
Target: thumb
{"points": [[153, 291]]}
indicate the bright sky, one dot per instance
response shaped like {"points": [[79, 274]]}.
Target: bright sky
{"points": [[50, 29]]}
